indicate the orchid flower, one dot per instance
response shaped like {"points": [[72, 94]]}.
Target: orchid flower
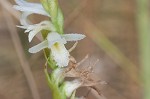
{"points": [[28, 9], [71, 86], [36, 28], [56, 42], [25, 6]]}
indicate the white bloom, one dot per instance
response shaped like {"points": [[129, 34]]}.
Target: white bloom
{"points": [[56, 43], [28, 9], [80, 98], [36, 28], [24, 18], [36, 8], [58, 75], [71, 86]]}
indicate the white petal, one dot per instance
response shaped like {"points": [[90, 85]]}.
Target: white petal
{"points": [[30, 7], [22, 27], [54, 37], [38, 47], [24, 18], [58, 75], [36, 28], [71, 86], [33, 33], [80, 98], [73, 37], [48, 25], [25, 3], [60, 54]]}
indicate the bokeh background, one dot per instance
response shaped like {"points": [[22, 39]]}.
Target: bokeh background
{"points": [[112, 30]]}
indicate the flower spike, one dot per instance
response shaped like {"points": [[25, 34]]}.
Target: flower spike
{"points": [[57, 57]]}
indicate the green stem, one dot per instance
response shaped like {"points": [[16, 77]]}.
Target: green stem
{"points": [[57, 93], [144, 43], [51, 6], [50, 62]]}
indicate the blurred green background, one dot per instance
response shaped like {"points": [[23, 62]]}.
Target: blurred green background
{"points": [[117, 34]]}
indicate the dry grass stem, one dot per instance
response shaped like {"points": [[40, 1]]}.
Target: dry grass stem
{"points": [[21, 56], [73, 47], [8, 6]]}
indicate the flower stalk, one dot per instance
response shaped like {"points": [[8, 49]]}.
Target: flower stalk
{"points": [[57, 57]]}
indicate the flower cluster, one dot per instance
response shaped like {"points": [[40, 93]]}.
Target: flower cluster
{"points": [[65, 64], [54, 41]]}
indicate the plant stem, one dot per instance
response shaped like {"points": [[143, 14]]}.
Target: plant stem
{"points": [[56, 91], [144, 43], [52, 7]]}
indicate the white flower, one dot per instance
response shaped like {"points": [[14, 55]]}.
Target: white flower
{"points": [[56, 43], [58, 75], [71, 86], [28, 9], [80, 98], [36, 8], [36, 28]]}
